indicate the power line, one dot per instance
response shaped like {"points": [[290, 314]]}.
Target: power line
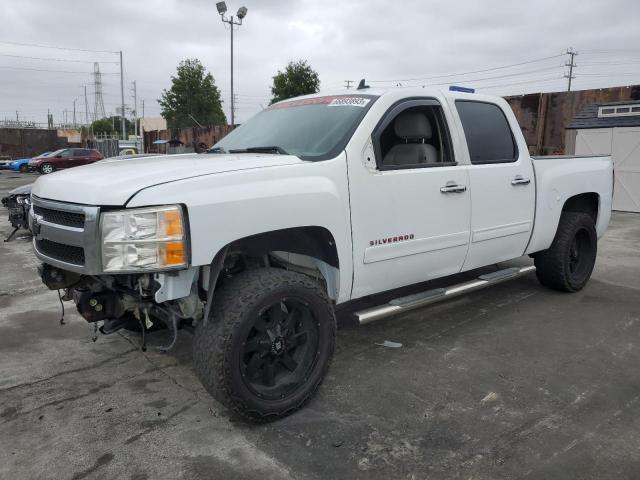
{"points": [[501, 76], [50, 71], [470, 72], [594, 64], [54, 47], [537, 80], [626, 74], [49, 59]]}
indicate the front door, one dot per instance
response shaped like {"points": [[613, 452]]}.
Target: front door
{"points": [[410, 201], [502, 185]]}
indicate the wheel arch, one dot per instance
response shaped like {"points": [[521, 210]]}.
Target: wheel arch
{"points": [[588, 203], [313, 242]]}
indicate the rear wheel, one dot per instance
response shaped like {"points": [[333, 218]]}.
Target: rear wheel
{"points": [[568, 263], [24, 168], [46, 168], [268, 344]]}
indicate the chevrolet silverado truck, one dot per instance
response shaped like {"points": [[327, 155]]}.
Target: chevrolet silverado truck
{"points": [[314, 202]]}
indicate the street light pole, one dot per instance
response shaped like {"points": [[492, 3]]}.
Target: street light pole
{"points": [[122, 120], [233, 107], [242, 12]]}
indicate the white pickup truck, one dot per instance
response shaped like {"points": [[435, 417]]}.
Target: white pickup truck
{"points": [[314, 202]]}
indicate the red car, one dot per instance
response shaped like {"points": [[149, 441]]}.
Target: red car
{"points": [[65, 158]]}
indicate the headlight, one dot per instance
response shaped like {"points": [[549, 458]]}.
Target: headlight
{"points": [[143, 239]]}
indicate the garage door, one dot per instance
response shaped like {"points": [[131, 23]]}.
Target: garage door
{"points": [[623, 144]]}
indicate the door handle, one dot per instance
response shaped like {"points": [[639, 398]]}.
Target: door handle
{"points": [[451, 187], [520, 180]]}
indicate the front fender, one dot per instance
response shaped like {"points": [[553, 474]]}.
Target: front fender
{"points": [[228, 206]]}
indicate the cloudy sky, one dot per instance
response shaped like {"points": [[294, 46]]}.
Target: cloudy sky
{"points": [[412, 42]]}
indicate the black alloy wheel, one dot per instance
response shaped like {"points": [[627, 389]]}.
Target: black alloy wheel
{"points": [[268, 343], [568, 263], [281, 349]]}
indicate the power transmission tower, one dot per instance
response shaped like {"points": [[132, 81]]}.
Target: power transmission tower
{"points": [[571, 64], [98, 108], [347, 84]]}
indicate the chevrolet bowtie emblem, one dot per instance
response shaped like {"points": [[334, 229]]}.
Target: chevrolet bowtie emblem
{"points": [[35, 226]]}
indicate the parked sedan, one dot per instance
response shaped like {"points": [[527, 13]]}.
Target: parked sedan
{"points": [[65, 158]]}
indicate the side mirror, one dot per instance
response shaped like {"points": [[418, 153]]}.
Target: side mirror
{"points": [[59, 156]]}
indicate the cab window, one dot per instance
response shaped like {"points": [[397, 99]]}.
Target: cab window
{"points": [[489, 137], [413, 135]]}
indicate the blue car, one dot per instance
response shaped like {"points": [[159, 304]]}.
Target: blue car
{"points": [[19, 165]]}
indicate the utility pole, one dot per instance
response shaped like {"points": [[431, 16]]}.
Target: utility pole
{"points": [[123, 126], [86, 106], [135, 109], [348, 84], [571, 64], [74, 112], [142, 128], [17, 117]]}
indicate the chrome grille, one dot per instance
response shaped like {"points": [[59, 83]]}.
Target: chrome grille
{"points": [[66, 235], [60, 217], [65, 253]]}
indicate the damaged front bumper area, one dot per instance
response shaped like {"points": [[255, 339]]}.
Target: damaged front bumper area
{"points": [[139, 302], [67, 239]]}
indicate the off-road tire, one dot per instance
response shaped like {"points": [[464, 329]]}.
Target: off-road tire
{"points": [[46, 166], [218, 343], [553, 266]]}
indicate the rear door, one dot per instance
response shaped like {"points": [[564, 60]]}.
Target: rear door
{"points": [[81, 156], [64, 159], [93, 156], [502, 184], [410, 221]]}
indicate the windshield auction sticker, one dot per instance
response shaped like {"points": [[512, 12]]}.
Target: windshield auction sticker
{"points": [[349, 102], [330, 101]]}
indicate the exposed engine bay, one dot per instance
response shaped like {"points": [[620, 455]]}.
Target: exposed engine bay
{"points": [[124, 301]]}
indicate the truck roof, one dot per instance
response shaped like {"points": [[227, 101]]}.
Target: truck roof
{"points": [[402, 92]]}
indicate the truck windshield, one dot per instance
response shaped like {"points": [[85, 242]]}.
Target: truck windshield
{"points": [[310, 128]]}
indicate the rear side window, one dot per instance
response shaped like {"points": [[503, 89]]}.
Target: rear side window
{"points": [[489, 137]]}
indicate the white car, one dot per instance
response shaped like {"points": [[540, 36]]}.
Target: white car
{"points": [[316, 201]]}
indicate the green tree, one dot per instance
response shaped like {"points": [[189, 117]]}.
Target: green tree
{"points": [[106, 125], [102, 126], [192, 99], [297, 79]]}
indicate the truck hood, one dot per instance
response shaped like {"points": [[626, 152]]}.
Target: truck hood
{"points": [[113, 182]]}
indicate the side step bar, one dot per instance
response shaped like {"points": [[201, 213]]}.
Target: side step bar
{"points": [[419, 300]]}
